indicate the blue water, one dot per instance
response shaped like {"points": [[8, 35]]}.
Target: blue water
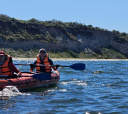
{"points": [[100, 89]]}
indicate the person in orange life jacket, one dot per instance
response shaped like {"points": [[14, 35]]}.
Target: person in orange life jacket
{"points": [[42, 58], [7, 67]]}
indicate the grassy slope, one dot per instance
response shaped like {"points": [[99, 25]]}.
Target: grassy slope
{"points": [[13, 30]]}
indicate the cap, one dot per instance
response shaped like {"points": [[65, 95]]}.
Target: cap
{"points": [[42, 50], [2, 53]]}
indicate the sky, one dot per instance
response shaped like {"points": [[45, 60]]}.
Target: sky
{"points": [[106, 14]]}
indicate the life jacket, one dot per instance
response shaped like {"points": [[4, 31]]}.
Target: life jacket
{"points": [[45, 62], [4, 69]]}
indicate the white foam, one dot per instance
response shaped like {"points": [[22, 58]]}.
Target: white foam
{"points": [[64, 83], [10, 91], [63, 89]]}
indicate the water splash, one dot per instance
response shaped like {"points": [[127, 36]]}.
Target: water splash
{"points": [[10, 91]]}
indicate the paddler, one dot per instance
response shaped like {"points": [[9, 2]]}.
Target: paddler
{"points": [[43, 59], [7, 67]]}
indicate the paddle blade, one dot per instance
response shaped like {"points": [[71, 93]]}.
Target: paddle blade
{"points": [[42, 76], [78, 66]]}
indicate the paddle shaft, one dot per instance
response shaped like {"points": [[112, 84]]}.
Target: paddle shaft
{"points": [[76, 66], [42, 76], [39, 76], [7, 76]]}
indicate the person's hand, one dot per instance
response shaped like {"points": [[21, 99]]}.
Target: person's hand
{"points": [[32, 66], [19, 74], [57, 66]]}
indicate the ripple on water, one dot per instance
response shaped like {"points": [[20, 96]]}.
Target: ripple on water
{"points": [[101, 88]]}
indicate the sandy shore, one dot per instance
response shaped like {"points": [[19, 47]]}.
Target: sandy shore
{"points": [[66, 59]]}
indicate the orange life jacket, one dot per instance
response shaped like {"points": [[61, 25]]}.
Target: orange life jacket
{"points": [[45, 62], [4, 69]]}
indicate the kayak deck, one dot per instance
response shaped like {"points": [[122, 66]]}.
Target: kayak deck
{"points": [[25, 82]]}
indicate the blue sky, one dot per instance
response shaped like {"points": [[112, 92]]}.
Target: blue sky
{"points": [[106, 14]]}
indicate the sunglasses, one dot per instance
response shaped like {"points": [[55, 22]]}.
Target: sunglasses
{"points": [[42, 52]]}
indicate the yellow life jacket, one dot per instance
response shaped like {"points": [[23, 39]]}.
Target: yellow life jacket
{"points": [[45, 62], [4, 69]]}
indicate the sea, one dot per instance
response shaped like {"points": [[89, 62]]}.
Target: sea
{"points": [[102, 88]]}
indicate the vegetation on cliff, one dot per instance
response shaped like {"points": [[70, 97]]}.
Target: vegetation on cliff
{"points": [[13, 30], [107, 54]]}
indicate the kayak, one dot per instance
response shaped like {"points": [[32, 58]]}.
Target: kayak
{"points": [[28, 80]]}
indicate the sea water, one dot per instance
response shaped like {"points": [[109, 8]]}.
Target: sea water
{"points": [[102, 88]]}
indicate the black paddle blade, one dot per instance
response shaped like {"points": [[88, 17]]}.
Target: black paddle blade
{"points": [[78, 66], [42, 76]]}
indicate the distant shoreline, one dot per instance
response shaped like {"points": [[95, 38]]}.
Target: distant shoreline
{"points": [[73, 59]]}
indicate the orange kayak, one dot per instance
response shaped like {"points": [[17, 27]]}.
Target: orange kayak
{"points": [[27, 81]]}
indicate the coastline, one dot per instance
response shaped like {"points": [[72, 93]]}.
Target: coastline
{"points": [[73, 59]]}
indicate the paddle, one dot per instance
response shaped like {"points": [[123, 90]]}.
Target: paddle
{"points": [[39, 76], [76, 66]]}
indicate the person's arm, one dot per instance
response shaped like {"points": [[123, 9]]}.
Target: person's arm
{"points": [[32, 66], [51, 63], [13, 68]]}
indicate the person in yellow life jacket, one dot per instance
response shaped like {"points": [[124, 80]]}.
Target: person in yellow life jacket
{"points": [[43, 59], [7, 67]]}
